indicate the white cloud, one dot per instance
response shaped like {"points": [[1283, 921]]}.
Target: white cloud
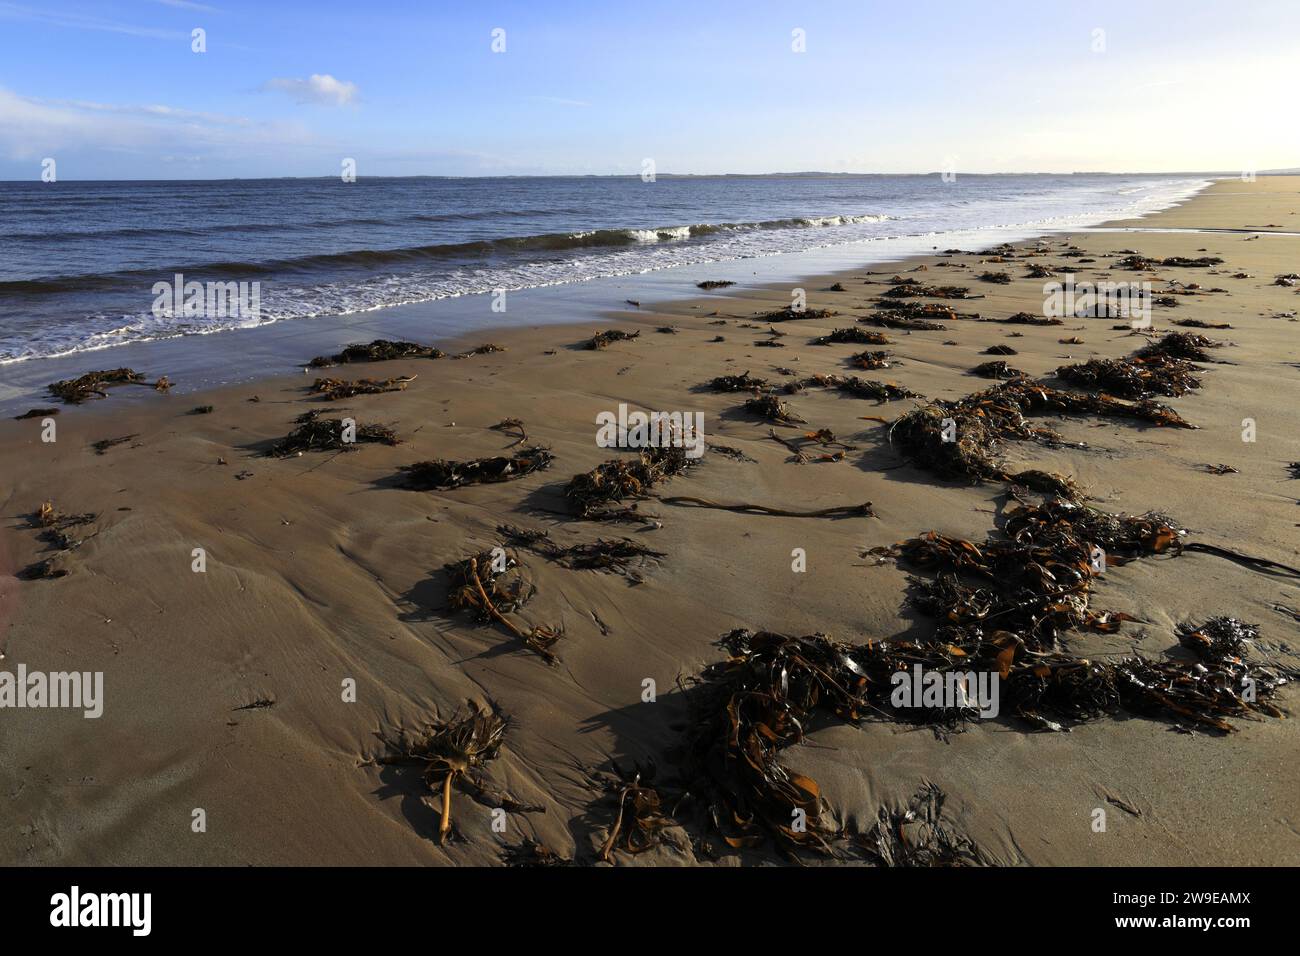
{"points": [[317, 88], [80, 21]]}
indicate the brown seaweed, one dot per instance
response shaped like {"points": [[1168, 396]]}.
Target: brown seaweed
{"points": [[380, 350], [1134, 377], [604, 339], [622, 478], [333, 389], [442, 474], [74, 391], [491, 585], [743, 382], [326, 434], [855, 335]]}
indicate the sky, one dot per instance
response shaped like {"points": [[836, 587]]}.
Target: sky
{"points": [[116, 90]]}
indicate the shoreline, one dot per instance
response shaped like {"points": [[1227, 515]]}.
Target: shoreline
{"points": [[452, 320], [323, 570]]}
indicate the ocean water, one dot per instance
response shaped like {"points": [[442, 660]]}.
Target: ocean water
{"points": [[79, 260]]}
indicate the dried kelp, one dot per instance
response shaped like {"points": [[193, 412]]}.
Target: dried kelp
{"points": [[492, 586], [1025, 318], [999, 350], [1198, 324], [743, 382], [622, 557], [1138, 263], [714, 284], [333, 389], [604, 339], [641, 817], [442, 474], [871, 361], [773, 409], [919, 836], [861, 388], [1181, 345], [790, 314], [910, 288], [487, 348], [104, 444], [997, 369], [380, 350], [36, 413], [622, 478], [451, 753], [859, 336], [529, 853], [74, 391], [923, 310], [512, 424], [997, 278], [1135, 377], [329, 434], [890, 319]]}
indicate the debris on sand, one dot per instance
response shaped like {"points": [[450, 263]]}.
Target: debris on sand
{"points": [[492, 586], [999, 350], [861, 388], [451, 753], [36, 413], [1039, 271], [1133, 378], [1138, 263], [773, 409], [104, 444], [790, 314], [1072, 340], [863, 510], [714, 284], [1198, 324], [333, 389], [622, 557], [871, 361], [890, 319], [512, 424], [487, 348], [855, 335], [823, 438], [55, 525], [1183, 345], [924, 310], [74, 391], [640, 817], [997, 278], [201, 410], [380, 350], [918, 836], [743, 382], [442, 475], [1221, 469], [328, 434], [911, 288], [529, 853], [603, 339], [837, 287], [1026, 318], [622, 478], [996, 369]]}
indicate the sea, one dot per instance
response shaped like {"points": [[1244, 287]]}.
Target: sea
{"points": [[81, 262]]}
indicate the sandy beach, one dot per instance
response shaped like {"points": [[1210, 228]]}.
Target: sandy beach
{"points": [[227, 690]]}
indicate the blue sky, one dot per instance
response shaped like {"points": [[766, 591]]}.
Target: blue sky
{"points": [[112, 90]]}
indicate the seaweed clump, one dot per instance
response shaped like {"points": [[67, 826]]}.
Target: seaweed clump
{"points": [[620, 478], [380, 350], [442, 474], [333, 389], [1180, 345], [603, 339], [329, 434], [743, 382], [451, 754], [855, 335], [74, 391], [1135, 377], [492, 586]]}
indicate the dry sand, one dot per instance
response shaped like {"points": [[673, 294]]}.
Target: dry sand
{"points": [[321, 569]]}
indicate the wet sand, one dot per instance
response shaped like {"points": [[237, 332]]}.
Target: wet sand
{"points": [[321, 568]]}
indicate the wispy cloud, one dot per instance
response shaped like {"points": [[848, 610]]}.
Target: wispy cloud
{"points": [[317, 88], [188, 5], [79, 21]]}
